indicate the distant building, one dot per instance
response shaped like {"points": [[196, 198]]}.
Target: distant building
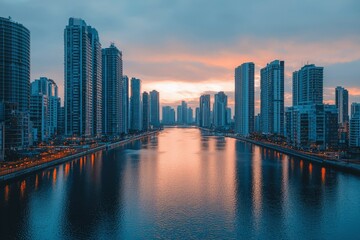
{"points": [[112, 94], [145, 111], [272, 98], [197, 116], [220, 110], [257, 126], [308, 85], [184, 109], [355, 125], [205, 116], [244, 99], [44, 104], [126, 104], [154, 109], [83, 82], [15, 83], [228, 116], [342, 104], [168, 115], [190, 116], [136, 106], [179, 115]]}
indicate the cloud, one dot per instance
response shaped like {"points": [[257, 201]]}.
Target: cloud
{"points": [[194, 45]]}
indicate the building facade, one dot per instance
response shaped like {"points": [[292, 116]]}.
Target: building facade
{"points": [[154, 109], [205, 116], [272, 98], [136, 105], [145, 111], [220, 110], [112, 93], [79, 61], [15, 83], [308, 85], [244, 99], [354, 140]]}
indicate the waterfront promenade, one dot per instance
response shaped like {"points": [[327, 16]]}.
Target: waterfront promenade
{"points": [[344, 165], [22, 169]]}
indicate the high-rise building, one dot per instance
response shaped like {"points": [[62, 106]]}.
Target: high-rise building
{"points": [[190, 116], [112, 92], [228, 116], [220, 110], [154, 109], [197, 116], [312, 126], [205, 116], [272, 98], [136, 105], [96, 61], [39, 113], [354, 140], [168, 115], [179, 115], [44, 107], [184, 114], [145, 111], [126, 106], [342, 104], [15, 82], [308, 85], [83, 81], [244, 99]]}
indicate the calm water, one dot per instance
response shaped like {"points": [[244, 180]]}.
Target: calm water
{"points": [[180, 185]]}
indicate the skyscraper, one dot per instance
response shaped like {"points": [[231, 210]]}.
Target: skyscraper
{"points": [[154, 109], [354, 140], [204, 106], [135, 105], [190, 116], [179, 115], [244, 99], [112, 94], [145, 111], [126, 106], [168, 115], [44, 110], [220, 110], [308, 85], [184, 114], [96, 62], [272, 98], [342, 104], [82, 80], [15, 82]]}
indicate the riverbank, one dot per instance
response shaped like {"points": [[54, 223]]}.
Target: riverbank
{"points": [[15, 173], [338, 164]]}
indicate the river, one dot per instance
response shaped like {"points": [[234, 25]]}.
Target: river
{"points": [[182, 185]]}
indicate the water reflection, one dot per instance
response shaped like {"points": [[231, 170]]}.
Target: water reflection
{"points": [[182, 185]]}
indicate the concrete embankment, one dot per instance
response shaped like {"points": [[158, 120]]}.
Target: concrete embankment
{"points": [[23, 171], [338, 164]]}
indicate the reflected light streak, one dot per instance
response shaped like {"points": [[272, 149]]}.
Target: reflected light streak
{"points": [[67, 169], [256, 185], [323, 175], [54, 176], [36, 181], [22, 188], [6, 193]]}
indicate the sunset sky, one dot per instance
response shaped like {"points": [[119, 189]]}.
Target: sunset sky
{"points": [[183, 48]]}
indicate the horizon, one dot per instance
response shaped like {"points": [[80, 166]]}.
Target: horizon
{"points": [[184, 58]]}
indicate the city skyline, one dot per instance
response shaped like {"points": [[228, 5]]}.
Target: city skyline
{"points": [[182, 62]]}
